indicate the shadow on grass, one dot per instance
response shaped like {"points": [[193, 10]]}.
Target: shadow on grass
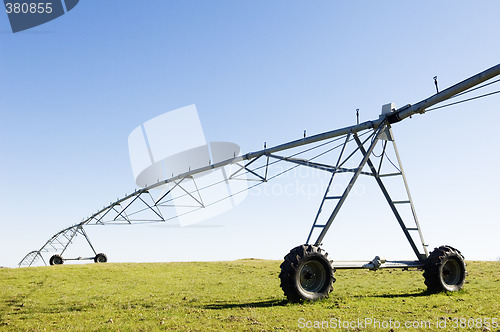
{"points": [[403, 295], [258, 304]]}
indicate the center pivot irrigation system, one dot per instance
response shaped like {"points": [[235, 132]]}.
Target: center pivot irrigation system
{"points": [[306, 272]]}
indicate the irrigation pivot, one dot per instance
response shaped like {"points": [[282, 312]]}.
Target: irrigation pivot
{"points": [[306, 272]]}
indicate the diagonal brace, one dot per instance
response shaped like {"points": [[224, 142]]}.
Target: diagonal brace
{"points": [[351, 184], [389, 200]]}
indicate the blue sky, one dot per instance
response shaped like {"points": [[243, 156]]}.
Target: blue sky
{"points": [[258, 71]]}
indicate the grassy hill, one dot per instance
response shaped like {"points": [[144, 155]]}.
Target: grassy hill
{"points": [[239, 295]]}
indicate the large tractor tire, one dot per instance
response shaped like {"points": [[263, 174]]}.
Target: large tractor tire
{"points": [[306, 274], [56, 260], [100, 258], [445, 270]]}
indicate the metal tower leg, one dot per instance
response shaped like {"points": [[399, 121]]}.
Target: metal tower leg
{"points": [[392, 203], [326, 197], [82, 231], [407, 188], [350, 185], [383, 133]]}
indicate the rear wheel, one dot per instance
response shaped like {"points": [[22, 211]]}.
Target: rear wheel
{"points": [[306, 274], [445, 270], [100, 258], [56, 260]]}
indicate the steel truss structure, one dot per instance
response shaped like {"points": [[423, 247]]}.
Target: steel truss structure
{"points": [[356, 146], [154, 203]]}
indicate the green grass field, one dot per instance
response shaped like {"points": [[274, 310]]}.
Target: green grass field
{"points": [[241, 295]]}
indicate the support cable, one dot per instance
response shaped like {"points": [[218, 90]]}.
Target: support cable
{"points": [[476, 88], [463, 101]]}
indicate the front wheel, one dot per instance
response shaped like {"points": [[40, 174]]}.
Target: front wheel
{"points": [[100, 258], [56, 260], [445, 270], [306, 274]]}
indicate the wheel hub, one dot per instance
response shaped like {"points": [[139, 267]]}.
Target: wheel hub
{"points": [[451, 272], [312, 276]]}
